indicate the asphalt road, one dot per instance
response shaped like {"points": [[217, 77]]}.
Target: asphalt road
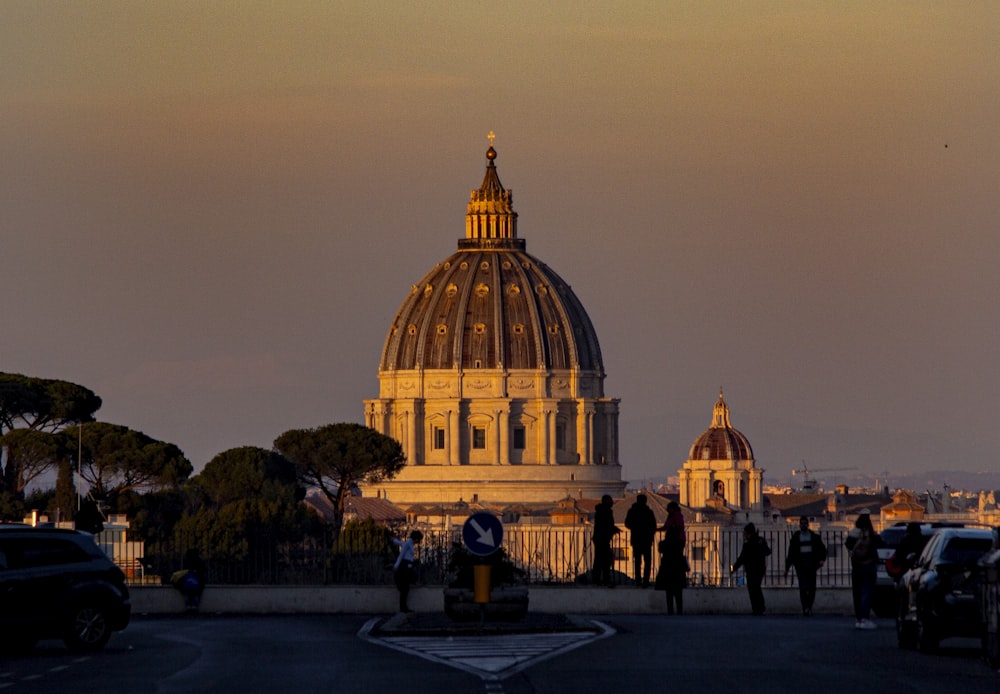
{"points": [[703, 654]]}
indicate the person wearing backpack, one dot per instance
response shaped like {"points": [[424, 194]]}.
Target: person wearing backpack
{"points": [[753, 558], [863, 543]]}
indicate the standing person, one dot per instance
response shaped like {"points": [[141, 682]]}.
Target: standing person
{"points": [[902, 560], [753, 558], [807, 553], [402, 571], [604, 530], [863, 543], [641, 523], [673, 564]]}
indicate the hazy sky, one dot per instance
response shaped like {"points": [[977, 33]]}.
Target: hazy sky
{"points": [[211, 211]]}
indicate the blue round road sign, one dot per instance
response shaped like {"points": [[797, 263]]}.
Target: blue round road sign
{"points": [[482, 533]]}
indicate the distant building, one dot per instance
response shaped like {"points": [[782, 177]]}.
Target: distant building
{"points": [[720, 475]]}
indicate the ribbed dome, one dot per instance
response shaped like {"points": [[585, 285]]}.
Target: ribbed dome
{"points": [[721, 441], [491, 305]]}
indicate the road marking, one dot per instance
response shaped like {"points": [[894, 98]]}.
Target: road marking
{"points": [[491, 657]]}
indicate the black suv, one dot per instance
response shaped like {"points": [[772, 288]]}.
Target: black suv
{"points": [[57, 583], [942, 589], [884, 601]]}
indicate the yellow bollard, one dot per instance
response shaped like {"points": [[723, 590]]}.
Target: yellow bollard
{"points": [[481, 583]]}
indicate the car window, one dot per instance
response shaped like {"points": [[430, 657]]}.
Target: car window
{"points": [[891, 537], [24, 553], [963, 550], [929, 549]]}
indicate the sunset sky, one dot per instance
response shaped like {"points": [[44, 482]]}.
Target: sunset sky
{"points": [[211, 211]]}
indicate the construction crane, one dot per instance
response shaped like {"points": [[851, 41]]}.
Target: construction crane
{"points": [[810, 484]]}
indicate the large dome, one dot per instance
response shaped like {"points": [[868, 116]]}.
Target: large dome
{"points": [[491, 308], [491, 305], [721, 441], [491, 376]]}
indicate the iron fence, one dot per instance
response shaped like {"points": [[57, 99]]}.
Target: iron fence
{"points": [[542, 555]]}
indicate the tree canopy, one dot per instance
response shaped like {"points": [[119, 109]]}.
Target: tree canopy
{"points": [[245, 501], [336, 457], [30, 453], [117, 459], [43, 403], [248, 472]]}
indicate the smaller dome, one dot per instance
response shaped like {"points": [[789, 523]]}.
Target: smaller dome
{"points": [[721, 441]]}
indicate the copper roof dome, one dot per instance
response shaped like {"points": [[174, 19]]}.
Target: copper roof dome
{"points": [[491, 305], [721, 441]]}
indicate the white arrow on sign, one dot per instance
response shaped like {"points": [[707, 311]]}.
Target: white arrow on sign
{"points": [[485, 536]]}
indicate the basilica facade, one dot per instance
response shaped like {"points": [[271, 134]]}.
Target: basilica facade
{"points": [[491, 376]]}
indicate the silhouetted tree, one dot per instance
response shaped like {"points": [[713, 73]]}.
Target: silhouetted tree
{"points": [[41, 405], [336, 457], [30, 454], [118, 459], [245, 502], [63, 505]]}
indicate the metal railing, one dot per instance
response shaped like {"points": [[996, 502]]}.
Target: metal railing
{"points": [[542, 555]]}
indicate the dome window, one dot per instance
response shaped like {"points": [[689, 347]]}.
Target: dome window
{"points": [[479, 328], [554, 329], [541, 290], [464, 265], [484, 265], [506, 265], [452, 290], [482, 290], [412, 330], [428, 289], [514, 290], [518, 329], [442, 329]]}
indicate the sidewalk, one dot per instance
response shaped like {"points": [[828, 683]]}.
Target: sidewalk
{"points": [[429, 600]]}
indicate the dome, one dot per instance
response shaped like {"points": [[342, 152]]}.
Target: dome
{"points": [[491, 376], [721, 441], [491, 305]]}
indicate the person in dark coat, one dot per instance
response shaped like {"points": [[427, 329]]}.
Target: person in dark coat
{"points": [[672, 575], [753, 559], [807, 553], [902, 560], [863, 543], [641, 523], [604, 530]]}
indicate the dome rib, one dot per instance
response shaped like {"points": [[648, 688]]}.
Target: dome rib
{"points": [[462, 315]]}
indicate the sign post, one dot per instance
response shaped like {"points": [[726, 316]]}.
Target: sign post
{"points": [[482, 534]]}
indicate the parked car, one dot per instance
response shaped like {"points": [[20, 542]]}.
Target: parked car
{"points": [[942, 590], [884, 601], [57, 583], [989, 565]]}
